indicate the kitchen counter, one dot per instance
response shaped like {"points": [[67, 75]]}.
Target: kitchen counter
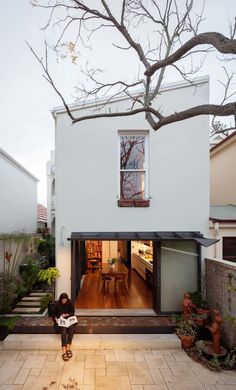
{"points": [[145, 261], [141, 265]]}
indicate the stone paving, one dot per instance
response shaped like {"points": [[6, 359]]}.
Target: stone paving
{"points": [[108, 369]]}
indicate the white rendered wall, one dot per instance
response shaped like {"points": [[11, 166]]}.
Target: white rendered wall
{"points": [[50, 170], [18, 199], [87, 175]]}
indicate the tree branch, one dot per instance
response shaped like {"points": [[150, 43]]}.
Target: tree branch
{"points": [[49, 79], [219, 41], [205, 109], [116, 114]]}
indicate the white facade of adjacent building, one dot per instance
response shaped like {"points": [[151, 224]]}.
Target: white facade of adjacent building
{"points": [[18, 197]]}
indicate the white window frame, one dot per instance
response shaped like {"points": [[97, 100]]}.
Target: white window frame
{"points": [[137, 133]]}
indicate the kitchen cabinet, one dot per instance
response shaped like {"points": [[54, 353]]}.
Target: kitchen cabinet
{"points": [[140, 265]]}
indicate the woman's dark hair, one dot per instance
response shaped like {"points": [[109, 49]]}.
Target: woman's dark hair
{"points": [[63, 296]]}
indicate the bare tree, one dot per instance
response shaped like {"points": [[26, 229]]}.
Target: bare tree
{"points": [[172, 40]]}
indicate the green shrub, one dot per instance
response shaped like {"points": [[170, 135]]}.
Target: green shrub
{"points": [[197, 299], [44, 301], [30, 272], [47, 248], [8, 291], [9, 322]]}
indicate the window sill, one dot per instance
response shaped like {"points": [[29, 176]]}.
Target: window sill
{"points": [[133, 203]]}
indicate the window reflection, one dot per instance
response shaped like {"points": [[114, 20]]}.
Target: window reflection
{"points": [[132, 152], [132, 167]]}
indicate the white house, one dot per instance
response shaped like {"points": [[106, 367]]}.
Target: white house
{"points": [[168, 169], [18, 197]]}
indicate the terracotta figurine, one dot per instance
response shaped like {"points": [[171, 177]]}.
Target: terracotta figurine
{"points": [[187, 306], [215, 329]]}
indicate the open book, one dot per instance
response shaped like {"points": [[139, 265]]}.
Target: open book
{"points": [[66, 322]]}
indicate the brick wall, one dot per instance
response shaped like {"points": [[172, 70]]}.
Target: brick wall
{"points": [[2, 256], [218, 295]]}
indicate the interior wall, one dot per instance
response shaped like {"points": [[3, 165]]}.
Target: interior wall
{"points": [[109, 250]]}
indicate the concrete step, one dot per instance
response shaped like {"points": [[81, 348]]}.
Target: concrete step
{"points": [[92, 341], [31, 299], [26, 310], [28, 304], [38, 294]]}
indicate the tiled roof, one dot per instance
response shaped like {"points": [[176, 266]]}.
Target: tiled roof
{"points": [[41, 213], [223, 213], [232, 135]]}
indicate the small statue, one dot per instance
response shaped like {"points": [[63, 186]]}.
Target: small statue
{"points": [[187, 306], [215, 329]]}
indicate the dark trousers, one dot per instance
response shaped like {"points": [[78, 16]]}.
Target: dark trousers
{"points": [[66, 335]]}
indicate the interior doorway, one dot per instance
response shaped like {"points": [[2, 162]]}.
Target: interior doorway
{"points": [[116, 275]]}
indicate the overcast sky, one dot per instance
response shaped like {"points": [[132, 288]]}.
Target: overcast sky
{"points": [[26, 124]]}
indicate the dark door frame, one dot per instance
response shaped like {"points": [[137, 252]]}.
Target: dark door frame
{"points": [[78, 264]]}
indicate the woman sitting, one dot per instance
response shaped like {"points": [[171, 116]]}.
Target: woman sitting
{"points": [[64, 308]]}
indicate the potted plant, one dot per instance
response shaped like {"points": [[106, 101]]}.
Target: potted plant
{"points": [[186, 331], [112, 261], [199, 303], [50, 276]]}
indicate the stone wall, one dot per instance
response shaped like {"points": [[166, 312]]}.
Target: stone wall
{"points": [[219, 296]]}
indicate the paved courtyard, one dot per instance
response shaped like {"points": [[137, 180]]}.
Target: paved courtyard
{"points": [[108, 369]]}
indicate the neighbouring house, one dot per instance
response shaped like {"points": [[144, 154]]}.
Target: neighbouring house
{"points": [[216, 138], [41, 217], [221, 264], [18, 211], [51, 194], [124, 191], [18, 197], [223, 172], [223, 198]]}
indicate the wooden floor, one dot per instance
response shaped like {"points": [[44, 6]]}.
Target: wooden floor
{"points": [[138, 296]]}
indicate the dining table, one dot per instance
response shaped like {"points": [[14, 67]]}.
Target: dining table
{"points": [[116, 271]]}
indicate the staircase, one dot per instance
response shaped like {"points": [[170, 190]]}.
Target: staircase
{"points": [[30, 305]]}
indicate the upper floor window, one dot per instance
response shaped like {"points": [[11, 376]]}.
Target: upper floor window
{"points": [[133, 165], [229, 248]]}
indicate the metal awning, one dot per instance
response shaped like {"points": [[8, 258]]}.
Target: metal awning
{"points": [[136, 236]]}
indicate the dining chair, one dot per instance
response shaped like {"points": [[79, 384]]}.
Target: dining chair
{"points": [[105, 282], [122, 279]]}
